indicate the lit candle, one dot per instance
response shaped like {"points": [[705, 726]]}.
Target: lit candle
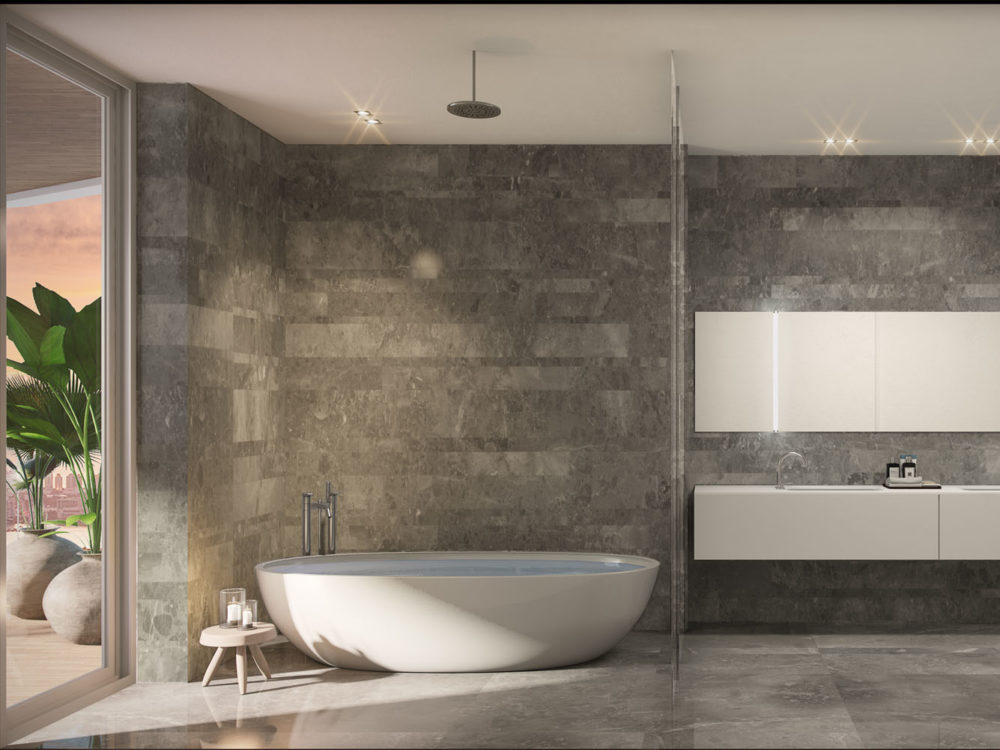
{"points": [[247, 618], [233, 614]]}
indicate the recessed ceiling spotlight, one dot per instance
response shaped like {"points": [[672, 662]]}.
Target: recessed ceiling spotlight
{"points": [[373, 121], [850, 140], [830, 141], [969, 141], [362, 113], [990, 141]]}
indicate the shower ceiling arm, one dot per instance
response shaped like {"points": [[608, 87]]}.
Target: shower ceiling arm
{"points": [[471, 107]]}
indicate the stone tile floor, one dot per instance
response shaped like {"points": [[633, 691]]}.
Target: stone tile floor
{"points": [[798, 691]]}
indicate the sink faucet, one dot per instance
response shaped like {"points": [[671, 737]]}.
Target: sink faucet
{"points": [[327, 541], [781, 461]]}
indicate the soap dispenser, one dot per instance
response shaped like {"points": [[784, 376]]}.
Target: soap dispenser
{"points": [[892, 468], [909, 467]]}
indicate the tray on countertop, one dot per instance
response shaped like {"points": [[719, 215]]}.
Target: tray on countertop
{"points": [[923, 484]]}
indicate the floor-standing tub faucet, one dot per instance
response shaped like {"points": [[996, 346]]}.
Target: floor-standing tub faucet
{"points": [[781, 485], [327, 540]]}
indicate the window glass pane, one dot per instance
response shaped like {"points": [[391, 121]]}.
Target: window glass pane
{"points": [[54, 606]]}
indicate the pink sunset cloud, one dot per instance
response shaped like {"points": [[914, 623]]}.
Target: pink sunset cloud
{"points": [[58, 245]]}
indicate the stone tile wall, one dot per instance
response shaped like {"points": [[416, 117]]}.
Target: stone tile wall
{"points": [[163, 252], [469, 342], [853, 233], [475, 342], [210, 248]]}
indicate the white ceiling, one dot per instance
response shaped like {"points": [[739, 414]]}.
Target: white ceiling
{"points": [[754, 79]]}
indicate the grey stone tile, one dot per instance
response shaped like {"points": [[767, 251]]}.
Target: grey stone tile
{"points": [[376, 740], [535, 739], [919, 643], [880, 695], [913, 662], [742, 694], [775, 733], [920, 732], [631, 699], [715, 645]]}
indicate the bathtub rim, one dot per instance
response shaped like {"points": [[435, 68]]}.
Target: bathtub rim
{"points": [[645, 563]]}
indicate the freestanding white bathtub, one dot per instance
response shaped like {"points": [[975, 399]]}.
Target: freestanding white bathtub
{"points": [[456, 611]]}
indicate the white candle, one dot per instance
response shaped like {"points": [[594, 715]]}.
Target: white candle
{"points": [[233, 613], [247, 618]]}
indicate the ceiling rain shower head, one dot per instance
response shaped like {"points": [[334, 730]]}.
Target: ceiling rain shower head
{"points": [[472, 108]]}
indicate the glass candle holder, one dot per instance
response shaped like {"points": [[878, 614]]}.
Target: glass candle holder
{"points": [[249, 614], [231, 602]]}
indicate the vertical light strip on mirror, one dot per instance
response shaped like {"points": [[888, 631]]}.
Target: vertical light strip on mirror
{"points": [[774, 371], [875, 369]]}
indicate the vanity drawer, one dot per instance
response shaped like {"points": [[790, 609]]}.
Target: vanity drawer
{"points": [[970, 525], [759, 523]]}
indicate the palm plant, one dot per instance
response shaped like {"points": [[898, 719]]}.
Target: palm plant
{"points": [[31, 469], [27, 396], [60, 412]]}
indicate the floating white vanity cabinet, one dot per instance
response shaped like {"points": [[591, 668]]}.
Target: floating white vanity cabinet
{"points": [[754, 522], [970, 523]]}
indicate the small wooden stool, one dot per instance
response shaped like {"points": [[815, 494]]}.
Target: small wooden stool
{"points": [[223, 638]]}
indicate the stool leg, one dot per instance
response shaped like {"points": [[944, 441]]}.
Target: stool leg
{"points": [[241, 668], [260, 661], [216, 658]]}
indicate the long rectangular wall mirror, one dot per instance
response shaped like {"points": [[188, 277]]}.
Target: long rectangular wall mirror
{"points": [[847, 371]]}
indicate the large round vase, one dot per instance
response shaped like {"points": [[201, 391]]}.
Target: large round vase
{"points": [[32, 562], [72, 602]]}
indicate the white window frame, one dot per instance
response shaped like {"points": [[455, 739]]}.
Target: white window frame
{"points": [[118, 362]]}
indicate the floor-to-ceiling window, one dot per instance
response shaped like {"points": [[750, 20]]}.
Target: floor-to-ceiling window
{"points": [[53, 498], [68, 606]]}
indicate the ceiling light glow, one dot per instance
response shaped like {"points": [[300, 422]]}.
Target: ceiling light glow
{"points": [[373, 121], [362, 113], [830, 141], [969, 141], [990, 141], [850, 140]]}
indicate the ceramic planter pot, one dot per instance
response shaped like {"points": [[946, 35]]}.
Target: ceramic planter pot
{"points": [[32, 563], [72, 602]]}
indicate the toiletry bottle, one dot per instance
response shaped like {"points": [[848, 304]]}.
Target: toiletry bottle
{"points": [[892, 468], [909, 467]]}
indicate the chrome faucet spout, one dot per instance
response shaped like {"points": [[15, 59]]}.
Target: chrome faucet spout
{"points": [[781, 461]]}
